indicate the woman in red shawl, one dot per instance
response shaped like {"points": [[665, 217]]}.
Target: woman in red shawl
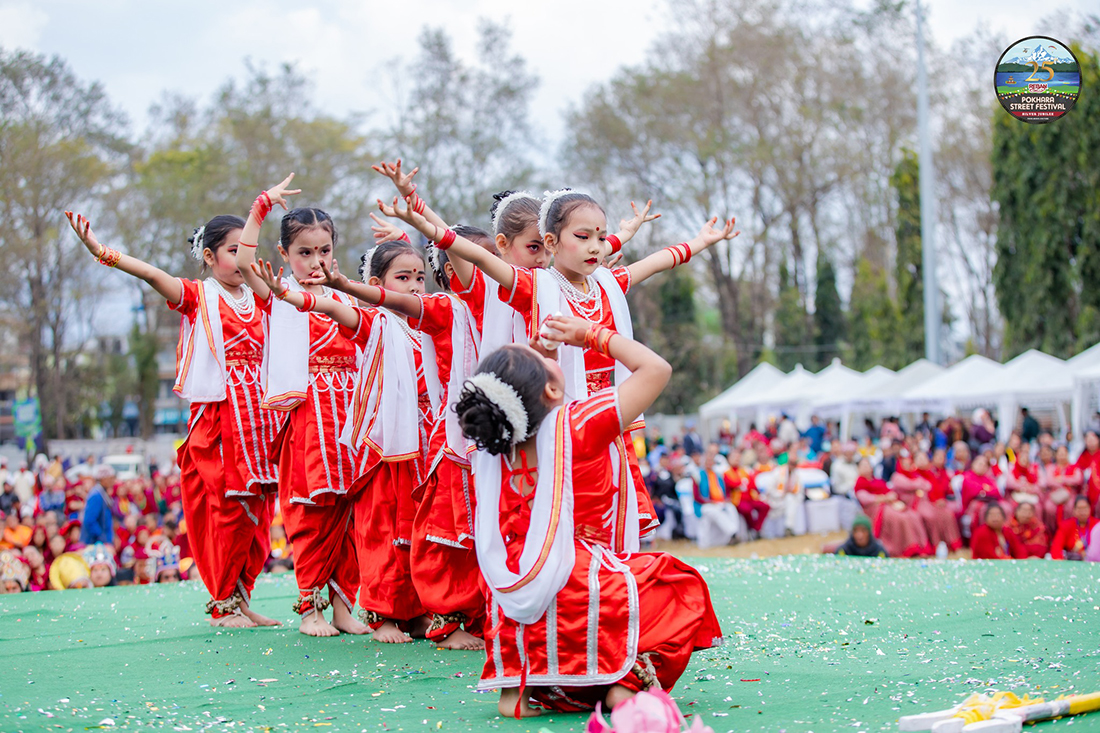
{"points": [[1030, 531], [1065, 481], [979, 487], [993, 540], [1022, 482], [900, 529], [1089, 460], [1072, 539], [929, 485]]}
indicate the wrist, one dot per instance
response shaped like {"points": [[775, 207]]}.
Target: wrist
{"points": [[616, 241]]}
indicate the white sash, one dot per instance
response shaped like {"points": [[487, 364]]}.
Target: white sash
{"points": [[502, 324], [548, 551], [465, 346], [200, 356], [384, 412]]}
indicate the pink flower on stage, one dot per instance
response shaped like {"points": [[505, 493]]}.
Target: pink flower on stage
{"points": [[646, 712]]}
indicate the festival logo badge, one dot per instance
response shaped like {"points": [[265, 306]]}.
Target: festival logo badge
{"points": [[1037, 79]]}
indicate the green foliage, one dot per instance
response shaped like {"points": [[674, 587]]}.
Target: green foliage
{"points": [[875, 321], [909, 271], [791, 325], [1046, 182], [830, 322]]}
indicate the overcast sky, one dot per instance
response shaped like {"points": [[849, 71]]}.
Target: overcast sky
{"points": [[139, 48]]}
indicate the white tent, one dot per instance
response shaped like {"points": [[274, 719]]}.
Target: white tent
{"points": [[887, 398], [1086, 382], [1032, 377], [839, 402], [778, 396], [763, 376], [951, 388], [797, 394]]}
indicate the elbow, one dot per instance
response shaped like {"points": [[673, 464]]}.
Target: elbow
{"points": [[662, 372]]}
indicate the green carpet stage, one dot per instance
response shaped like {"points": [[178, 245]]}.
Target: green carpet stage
{"points": [[813, 644]]}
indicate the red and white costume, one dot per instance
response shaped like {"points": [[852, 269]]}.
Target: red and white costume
{"points": [[227, 478], [388, 426], [569, 611], [444, 565], [310, 366], [536, 294]]}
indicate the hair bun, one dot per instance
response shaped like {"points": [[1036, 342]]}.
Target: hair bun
{"points": [[483, 421]]}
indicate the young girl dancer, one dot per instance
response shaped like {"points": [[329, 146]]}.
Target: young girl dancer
{"points": [[310, 364], [439, 553], [574, 229], [227, 478], [572, 621]]}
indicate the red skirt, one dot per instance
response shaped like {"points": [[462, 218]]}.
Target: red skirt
{"points": [[647, 611], [384, 513], [443, 562], [228, 519]]}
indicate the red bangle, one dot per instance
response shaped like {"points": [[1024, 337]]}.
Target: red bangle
{"points": [[598, 339], [246, 244], [108, 256], [381, 296], [681, 254], [310, 301], [282, 295], [448, 239], [404, 237], [261, 207], [615, 242]]}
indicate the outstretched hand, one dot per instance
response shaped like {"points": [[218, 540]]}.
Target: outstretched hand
{"points": [[403, 182], [83, 229], [385, 231], [631, 226], [709, 235], [333, 278], [272, 280], [279, 192], [407, 214]]}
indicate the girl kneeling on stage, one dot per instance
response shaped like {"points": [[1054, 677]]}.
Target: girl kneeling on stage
{"points": [[571, 623]]}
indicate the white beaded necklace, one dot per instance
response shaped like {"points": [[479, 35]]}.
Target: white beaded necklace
{"points": [[244, 306], [411, 334], [588, 305]]}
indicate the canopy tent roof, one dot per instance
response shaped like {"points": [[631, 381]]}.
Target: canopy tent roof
{"points": [[806, 387], [887, 396], [952, 387], [1032, 375], [1089, 373], [762, 377], [796, 382], [1086, 360], [841, 400]]}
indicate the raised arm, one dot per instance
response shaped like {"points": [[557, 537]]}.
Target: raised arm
{"points": [[405, 186], [345, 315], [444, 238], [649, 372], [250, 237], [169, 287], [403, 303], [670, 257]]}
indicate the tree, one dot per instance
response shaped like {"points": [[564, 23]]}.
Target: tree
{"points": [[467, 126], [61, 142], [830, 326], [875, 322], [1046, 182], [792, 342], [908, 267]]}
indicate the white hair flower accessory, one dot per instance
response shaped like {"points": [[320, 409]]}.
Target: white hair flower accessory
{"points": [[548, 199], [365, 264], [504, 396], [505, 202], [197, 242], [434, 257]]}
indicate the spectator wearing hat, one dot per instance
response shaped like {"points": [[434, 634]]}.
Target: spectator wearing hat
{"points": [[98, 522], [14, 573], [101, 564], [861, 542]]}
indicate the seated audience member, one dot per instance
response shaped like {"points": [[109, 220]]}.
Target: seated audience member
{"points": [[718, 519], [1089, 463], [1030, 531], [662, 490], [69, 572], [742, 492], [928, 485], [844, 471], [861, 543], [993, 540], [900, 528], [978, 488], [55, 547], [14, 573], [168, 564], [17, 533], [101, 564], [1065, 481], [1022, 483], [39, 577], [1072, 539]]}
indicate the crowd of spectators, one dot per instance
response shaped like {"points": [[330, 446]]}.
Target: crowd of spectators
{"points": [[70, 524], [929, 490]]}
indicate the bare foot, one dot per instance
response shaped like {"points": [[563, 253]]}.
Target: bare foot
{"points": [[509, 697], [388, 633], [344, 621], [314, 624], [233, 621], [259, 619], [618, 694], [418, 626], [462, 640]]}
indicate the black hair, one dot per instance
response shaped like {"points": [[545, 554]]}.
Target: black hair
{"points": [[993, 505], [215, 231], [520, 214], [1083, 498], [384, 256], [482, 420], [298, 220], [561, 208], [438, 258]]}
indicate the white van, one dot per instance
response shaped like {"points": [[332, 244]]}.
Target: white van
{"points": [[128, 465]]}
